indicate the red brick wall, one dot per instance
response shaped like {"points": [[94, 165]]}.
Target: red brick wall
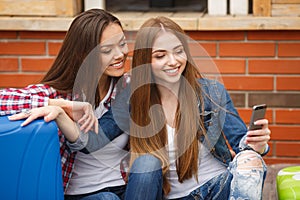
{"points": [[256, 67]]}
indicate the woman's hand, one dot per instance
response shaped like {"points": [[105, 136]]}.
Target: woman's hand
{"points": [[83, 113], [49, 113], [258, 139], [80, 112]]}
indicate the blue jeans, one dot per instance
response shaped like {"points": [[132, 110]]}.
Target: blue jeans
{"points": [[109, 193], [96, 196], [243, 179], [145, 179]]}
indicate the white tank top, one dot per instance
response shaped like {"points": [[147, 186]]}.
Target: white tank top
{"points": [[100, 169], [208, 168]]}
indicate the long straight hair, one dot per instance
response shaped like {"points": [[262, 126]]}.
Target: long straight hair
{"points": [[151, 138], [81, 39]]}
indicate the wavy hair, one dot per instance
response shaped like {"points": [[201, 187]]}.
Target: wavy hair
{"points": [[188, 125], [81, 39]]}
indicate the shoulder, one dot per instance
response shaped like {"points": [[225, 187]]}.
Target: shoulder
{"points": [[211, 84], [42, 88]]}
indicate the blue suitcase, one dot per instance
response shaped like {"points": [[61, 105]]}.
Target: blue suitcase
{"points": [[30, 166]]}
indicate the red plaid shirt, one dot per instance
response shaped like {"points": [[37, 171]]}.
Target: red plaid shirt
{"points": [[16, 100]]}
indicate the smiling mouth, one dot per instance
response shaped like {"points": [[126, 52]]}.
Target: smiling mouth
{"points": [[117, 65], [172, 71]]}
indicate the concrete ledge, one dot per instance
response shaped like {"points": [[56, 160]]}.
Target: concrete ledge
{"points": [[133, 20]]}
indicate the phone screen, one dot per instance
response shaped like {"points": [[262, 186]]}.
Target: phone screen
{"points": [[258, 112]]}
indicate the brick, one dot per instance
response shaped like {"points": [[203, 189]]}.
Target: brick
{"points": [[288, 149], [53, 48], [19, 80], [247, 49], [42, 35], [289, 49], [22, 48], [288, 83], [8, 34], [238, 99], [281, 160], [270, 153], [262, 83], [8, 64], [290, 116], [274, 66], [245, 114], [220, 66], [36, 64], [216, 35], [128, 64], [281, 100], [203, 49], [130, 35], [285, 133], [274, 35]]}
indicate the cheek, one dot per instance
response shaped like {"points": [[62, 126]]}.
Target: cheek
{"points": [[105, 60], [157, 63], [125, 50]]}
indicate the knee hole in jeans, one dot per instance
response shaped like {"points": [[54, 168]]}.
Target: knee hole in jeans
{"points": [[249, 160]]}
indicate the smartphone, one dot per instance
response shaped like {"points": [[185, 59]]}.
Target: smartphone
{"points": [[258, 112]]}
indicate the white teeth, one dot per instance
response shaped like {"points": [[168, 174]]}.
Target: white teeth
{"points": [[172, 70], [117, 64]]}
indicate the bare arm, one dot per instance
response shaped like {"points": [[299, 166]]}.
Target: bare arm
{"points": [[49, 113], [81, 112]]}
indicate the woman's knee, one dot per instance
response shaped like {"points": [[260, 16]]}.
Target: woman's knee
{"points": [[249, 160], [145, 163]]}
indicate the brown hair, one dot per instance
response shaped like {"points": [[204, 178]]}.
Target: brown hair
{"points": [[81, 39], [188, 122]]}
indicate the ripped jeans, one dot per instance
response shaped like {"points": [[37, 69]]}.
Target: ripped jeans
{"points": [[243, 179]]}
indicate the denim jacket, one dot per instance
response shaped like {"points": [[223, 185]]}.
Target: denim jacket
{"points": [[221, 121], [225, 129]]}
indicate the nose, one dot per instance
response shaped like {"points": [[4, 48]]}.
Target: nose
{"points": [[172, 59], [118, 53]]}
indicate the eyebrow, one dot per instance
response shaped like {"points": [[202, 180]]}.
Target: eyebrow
{"points": [[162, 50], [109, 45]]}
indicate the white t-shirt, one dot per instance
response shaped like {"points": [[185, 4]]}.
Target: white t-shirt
{"points": [[100, 169], [205, 169]]}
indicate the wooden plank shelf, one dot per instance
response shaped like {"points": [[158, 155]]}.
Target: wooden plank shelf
{"points": [[275, 8], [132, 21], [40, 8]]}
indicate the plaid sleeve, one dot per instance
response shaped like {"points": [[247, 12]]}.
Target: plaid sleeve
{"points": [[13, 100]]}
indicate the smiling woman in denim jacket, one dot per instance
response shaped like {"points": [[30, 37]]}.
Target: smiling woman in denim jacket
{"points": [[187, 140]]}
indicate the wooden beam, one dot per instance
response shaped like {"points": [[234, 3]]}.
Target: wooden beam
{"points": [[27, 8], [68, 7], [292, 10], [48, 8], [262, 8], [285, 1]]}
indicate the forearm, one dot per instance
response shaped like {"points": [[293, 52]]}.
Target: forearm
{"points": [[57, 102], [68, 127]]}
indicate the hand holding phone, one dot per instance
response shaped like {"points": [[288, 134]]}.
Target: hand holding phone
{"points": [[258, 112]]}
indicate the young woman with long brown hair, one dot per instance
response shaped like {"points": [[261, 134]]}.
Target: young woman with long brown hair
{"points": [[87, 67], [187, 140]]}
